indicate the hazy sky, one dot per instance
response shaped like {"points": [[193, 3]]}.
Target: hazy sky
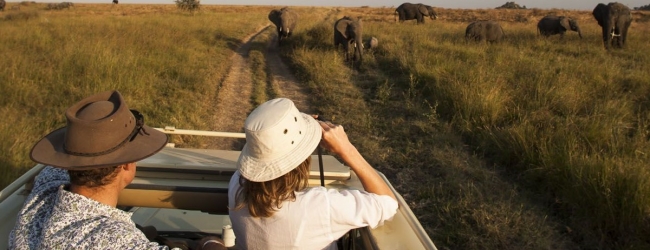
{"points": [[464, 4]]}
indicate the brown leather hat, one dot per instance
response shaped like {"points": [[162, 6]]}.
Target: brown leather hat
{"points": [[101, 132]]}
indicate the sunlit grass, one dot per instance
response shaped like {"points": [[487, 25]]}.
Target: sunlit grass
{"points": [[530, 143], [166, 63], [563, 119]]}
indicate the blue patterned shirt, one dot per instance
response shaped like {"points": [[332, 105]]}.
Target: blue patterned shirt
{"points": [[53, 218]]}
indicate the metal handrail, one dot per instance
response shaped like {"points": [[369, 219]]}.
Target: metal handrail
{"points": [[171, 130], [20, 182]]}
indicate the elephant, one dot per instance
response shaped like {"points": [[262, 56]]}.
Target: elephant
{"points": [[615, 19], [52, 6], [348, 31], [59, 6], [487, 30], [2, 5], [65, 5], [551, 25], [371, 43], [115, 1], [409, 11], [285, 21]]}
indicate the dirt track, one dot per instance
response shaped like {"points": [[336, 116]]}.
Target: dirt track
{"points": [[233, 102]]}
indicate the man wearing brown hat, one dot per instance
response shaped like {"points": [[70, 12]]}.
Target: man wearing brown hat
{"points": [[73, 202]]}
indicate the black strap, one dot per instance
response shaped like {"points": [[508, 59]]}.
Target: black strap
{"points": [[320, 166], [320, 157]]}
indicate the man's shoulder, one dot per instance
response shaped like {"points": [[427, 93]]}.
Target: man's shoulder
{"points": [[50, 178]]}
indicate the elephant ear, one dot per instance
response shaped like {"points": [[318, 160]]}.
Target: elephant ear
{"points": [[342, 26], [564, 22], [423, 10], [274, 16], [600, 12]]}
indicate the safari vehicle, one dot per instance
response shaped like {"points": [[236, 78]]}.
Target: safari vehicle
{"points": [[183, 193]]}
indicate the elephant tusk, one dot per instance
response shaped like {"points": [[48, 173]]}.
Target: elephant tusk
{"points": [[614, 34]]}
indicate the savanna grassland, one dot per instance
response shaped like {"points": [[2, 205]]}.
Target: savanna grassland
{"points": [[530, 143]]}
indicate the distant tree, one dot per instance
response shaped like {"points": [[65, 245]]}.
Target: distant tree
{"points": [[511, 5], [188, 5], [644, 7]]}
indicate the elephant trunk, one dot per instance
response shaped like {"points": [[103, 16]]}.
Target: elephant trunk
{"points": [[358, 50], [608, 31], [285, 26], [579, 33], [576, 28], [284, 32]]}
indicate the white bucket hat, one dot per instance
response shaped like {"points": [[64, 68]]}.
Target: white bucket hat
{"points": [[278, 139]]}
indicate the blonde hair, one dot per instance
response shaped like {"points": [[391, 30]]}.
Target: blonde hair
{"points": [[263, 198]]}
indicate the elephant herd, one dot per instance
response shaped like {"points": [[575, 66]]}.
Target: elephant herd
{"points": [[614, 19], [491, 31], [347, 32]]}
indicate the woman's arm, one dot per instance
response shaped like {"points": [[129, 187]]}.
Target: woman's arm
{"points": [[336, 140]]}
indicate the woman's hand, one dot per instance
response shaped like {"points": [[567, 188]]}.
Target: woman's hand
{"points": [[334, 138]]}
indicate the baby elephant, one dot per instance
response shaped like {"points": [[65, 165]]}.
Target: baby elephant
{"points": [[551, 25], [371, 43], [489, 31]]}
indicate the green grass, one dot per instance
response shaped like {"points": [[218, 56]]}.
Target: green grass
{"points": [[531, 143]]}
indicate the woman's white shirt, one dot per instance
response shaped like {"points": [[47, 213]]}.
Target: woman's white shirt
{"points": [[315, 220]]}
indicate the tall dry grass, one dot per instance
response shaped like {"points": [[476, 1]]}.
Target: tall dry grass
{"points": [[560, 127], [528, 144], [168, 64]]}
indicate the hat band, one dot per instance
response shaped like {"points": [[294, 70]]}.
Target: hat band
{"points": [[138, 129]]}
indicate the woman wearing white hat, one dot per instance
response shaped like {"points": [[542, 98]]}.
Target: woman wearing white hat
{"points": [[271, 205]]}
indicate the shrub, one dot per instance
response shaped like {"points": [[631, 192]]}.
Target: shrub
{"points": [[188, 5], [511, 5], [644, 7]]}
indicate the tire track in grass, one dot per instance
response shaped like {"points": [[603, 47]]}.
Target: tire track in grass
{"points": [[233, 102], [283, 81]]}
